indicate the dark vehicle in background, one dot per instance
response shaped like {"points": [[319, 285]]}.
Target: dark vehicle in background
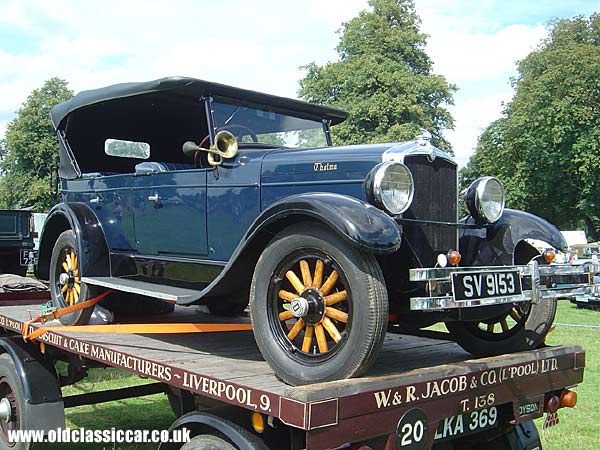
{"points": [[16, 241], [191, 192]]}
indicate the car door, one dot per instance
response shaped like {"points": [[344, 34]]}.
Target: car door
{"points": [[109, 197], [170, 213], [233, 202]]}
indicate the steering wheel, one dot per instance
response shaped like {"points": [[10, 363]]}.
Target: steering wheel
{"points": [[242, 131]]}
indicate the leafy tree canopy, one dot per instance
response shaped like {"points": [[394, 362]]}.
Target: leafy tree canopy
{"points": [[29, 150], [382, 78], [545, 147]]}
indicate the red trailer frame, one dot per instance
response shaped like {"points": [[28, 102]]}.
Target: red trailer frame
{"points": [[418, 382]]}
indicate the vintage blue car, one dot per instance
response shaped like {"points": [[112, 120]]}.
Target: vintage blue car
{"points": [[190, 192]]}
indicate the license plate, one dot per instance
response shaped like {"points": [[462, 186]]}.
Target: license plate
{"points": [[467, 423], [478, 285], [28, 257]]}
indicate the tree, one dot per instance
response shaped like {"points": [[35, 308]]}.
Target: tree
{"points": [[383, 79], [545, 146], [30, 150]]}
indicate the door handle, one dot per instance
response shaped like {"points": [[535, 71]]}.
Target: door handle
{"points": [[157, 201], [96, 201]]}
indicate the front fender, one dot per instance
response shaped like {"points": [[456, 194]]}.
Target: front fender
{"points": [[359, 222], [92, 247], [363, 225], [495, 244]]}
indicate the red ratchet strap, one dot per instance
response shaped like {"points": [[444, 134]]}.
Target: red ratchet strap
{"points": [[140, 328]]}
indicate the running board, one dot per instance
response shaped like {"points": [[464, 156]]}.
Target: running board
{"points": [[169, 293]]}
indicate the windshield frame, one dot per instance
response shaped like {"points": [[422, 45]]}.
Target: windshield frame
{"points": [[209, 106]]}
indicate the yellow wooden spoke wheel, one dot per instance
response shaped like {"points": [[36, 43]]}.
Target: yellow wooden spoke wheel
{"points": [[318, 306], [315, 308], [500, 325], [65, 279], [68, 278]]}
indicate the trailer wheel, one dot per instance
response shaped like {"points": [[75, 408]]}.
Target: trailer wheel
{"points": [[207, 442], [524, 327], [318, 306], [66, 287], [15, 410]]}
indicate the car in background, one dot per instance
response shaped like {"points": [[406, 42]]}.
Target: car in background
{"points": [[16, 241]]}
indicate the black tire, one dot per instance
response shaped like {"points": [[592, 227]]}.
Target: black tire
{"points": [[11, 388], [207, 442], [364, 309], [66, 244], [526, 330], [124, 304]]}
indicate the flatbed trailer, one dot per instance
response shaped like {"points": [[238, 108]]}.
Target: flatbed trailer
{"points": [[423, 392]]}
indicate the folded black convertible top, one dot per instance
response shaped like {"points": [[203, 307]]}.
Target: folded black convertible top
{"points": [[190, 88]]}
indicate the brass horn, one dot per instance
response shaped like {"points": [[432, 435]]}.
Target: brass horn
{"points": [[225, 146]]}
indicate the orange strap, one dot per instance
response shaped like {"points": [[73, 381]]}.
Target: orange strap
{"points": [[43, 318], [138, 328], [146, 328]]}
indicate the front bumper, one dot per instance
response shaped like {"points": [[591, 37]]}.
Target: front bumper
{"points": [[556, 281]]}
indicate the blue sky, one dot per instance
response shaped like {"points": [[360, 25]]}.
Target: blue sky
{"points": [[260, 45]]}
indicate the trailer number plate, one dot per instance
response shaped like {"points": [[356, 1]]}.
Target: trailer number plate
{"points": [[477, 285], [411, 432], [468, 423]]}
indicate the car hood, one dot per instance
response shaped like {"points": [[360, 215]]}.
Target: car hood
{"points": [[324, 160], [329, 161]]}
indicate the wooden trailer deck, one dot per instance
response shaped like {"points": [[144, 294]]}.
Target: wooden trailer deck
{"points": [[433, 375]]}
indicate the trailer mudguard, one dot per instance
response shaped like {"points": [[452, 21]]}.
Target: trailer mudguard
{"points": [[204, 423], [365, 226], [41, 389], [495, 244], [93, 249]]}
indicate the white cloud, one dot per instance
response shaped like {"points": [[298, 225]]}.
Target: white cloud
{"points": [[473, 51], [257, 45], [471, 117], [465, 57]]}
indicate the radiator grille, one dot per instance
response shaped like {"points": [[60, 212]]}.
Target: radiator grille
{"points": [[435, 199]]}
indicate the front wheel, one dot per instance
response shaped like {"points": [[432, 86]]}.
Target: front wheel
{"points": [[66, 287], [318, 306], [522, 328]]}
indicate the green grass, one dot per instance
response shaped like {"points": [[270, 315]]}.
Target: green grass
{"points": [[142, 413], [579, 427]]}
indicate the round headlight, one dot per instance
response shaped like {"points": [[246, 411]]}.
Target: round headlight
{"points": [[390, 186], [485, 199]]}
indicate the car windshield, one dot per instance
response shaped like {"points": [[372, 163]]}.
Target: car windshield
{"points": [[254, 125]]}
